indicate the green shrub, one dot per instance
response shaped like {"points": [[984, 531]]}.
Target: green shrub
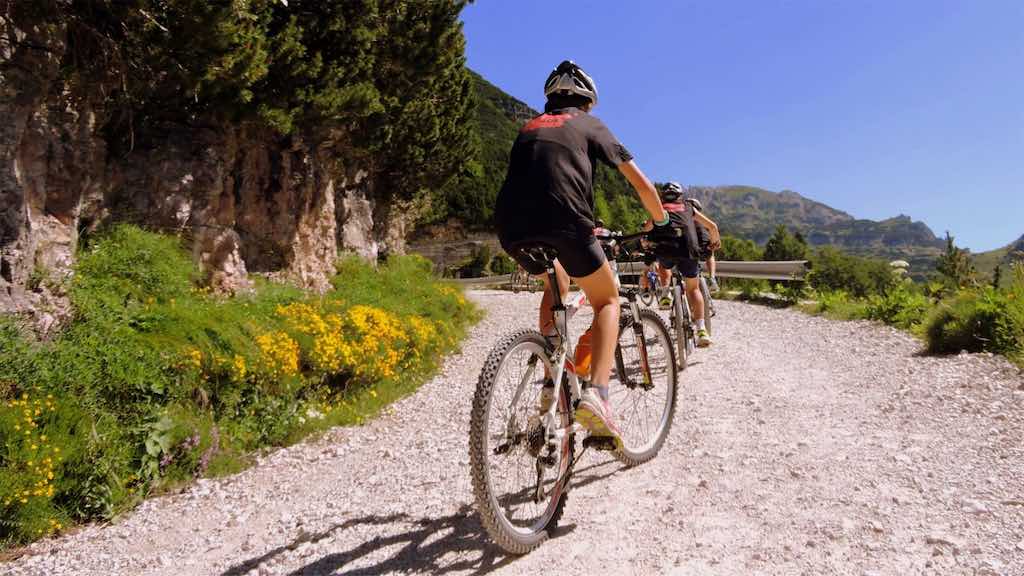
{"points": [[792, 292], [902, 306], [738, 249], [156, 382], [502, 264], [839, 305], [981, 319], [751, 289], [830, 300], [832, 270]]}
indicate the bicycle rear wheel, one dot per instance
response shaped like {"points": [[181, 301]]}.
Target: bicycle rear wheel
{"points": [[644, 409], [519, 483]]}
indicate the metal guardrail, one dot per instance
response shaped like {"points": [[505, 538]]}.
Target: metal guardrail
{"points": [[785, 270], [793, 270]]}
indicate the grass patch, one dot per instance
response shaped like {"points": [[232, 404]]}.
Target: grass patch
{"points": [[836, 305], [156, 382]]}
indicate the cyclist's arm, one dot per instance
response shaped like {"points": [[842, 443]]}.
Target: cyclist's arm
{"points": [[716, 239], [648, 194]]}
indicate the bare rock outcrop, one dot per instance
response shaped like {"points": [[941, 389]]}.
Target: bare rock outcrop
{"points": [[245, 199]]}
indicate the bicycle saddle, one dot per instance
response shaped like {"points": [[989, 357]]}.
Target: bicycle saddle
{"points": [[538, 252]]}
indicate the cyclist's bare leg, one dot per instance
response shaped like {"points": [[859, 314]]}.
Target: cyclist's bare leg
{"points": [[665, 275], [712, 264], [546, 320], [695, 298], [604, 298]]}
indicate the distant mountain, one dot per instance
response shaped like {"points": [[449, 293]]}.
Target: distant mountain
{"points": [[743, 211], [754, 213]]}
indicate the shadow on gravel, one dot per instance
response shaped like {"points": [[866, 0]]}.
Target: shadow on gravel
{"points": [[463, 545]]}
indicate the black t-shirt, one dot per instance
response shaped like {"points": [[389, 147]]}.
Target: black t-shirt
{"points": [[549, 185]]}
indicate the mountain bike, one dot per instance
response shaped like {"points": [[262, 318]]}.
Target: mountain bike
{"points": [[709, 303], [522, 453], [649, 294]]}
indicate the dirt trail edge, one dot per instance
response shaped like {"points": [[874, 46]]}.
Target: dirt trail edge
{"points": [[801, 446]]}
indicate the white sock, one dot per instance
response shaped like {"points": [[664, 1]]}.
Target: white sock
{"points": [[700, 324]]}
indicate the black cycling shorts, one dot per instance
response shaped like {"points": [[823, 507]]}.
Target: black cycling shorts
{"points": [[688, 267], [581, 256]]}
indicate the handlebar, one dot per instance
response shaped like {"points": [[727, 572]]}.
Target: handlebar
{"points": [[614, 243]]}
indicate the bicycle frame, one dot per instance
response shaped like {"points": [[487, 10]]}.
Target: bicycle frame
{"points": [[681, 303], [562, 363]]}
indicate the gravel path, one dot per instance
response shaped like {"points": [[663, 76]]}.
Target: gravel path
{"points": [[801, 446]]}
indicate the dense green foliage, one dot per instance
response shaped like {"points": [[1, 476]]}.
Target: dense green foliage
{"points": [[784, 245], [156, 382], [903, 306], [833, 270], [386, 78], [471, 196], [739, 249]]}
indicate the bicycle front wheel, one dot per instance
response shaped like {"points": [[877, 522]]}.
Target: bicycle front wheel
{"points": [[643, 406], [519, 480]]}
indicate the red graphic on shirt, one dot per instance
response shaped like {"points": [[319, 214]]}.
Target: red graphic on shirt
{"points": [[546, 121], [674, 207]]}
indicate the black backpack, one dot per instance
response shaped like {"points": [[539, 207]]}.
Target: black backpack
{"points": [[680, 217]]}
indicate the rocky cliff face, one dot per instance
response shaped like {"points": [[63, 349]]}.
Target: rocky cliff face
{"points": [[245, 200]]}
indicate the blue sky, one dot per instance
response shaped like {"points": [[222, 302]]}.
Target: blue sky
{"points": [[875, 108]]}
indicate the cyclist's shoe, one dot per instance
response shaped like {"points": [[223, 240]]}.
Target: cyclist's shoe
{"points": [[703, 338], [594, 414], [665, 302], [547, 397], [713, 284]]}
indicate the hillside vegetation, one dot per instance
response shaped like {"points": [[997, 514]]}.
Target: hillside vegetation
{"points": [[1002, 258]]}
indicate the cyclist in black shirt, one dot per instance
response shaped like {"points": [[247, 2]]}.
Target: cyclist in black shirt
{"points": [[548, 197]]}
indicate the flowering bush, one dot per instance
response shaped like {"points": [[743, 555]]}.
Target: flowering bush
{"points": [[30, 461], [279, 354]]}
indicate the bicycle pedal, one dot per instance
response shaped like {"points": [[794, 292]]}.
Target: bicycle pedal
{"points": [[601, 443]]}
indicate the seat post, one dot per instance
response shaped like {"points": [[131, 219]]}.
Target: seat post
{"points": [[558, 311]]}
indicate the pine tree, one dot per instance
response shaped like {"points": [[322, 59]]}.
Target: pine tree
{"points": [[955, 265], [784, 246]]}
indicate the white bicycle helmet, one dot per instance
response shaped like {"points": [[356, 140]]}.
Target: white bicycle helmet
{"points": [[671, 192], [569, 78]]}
